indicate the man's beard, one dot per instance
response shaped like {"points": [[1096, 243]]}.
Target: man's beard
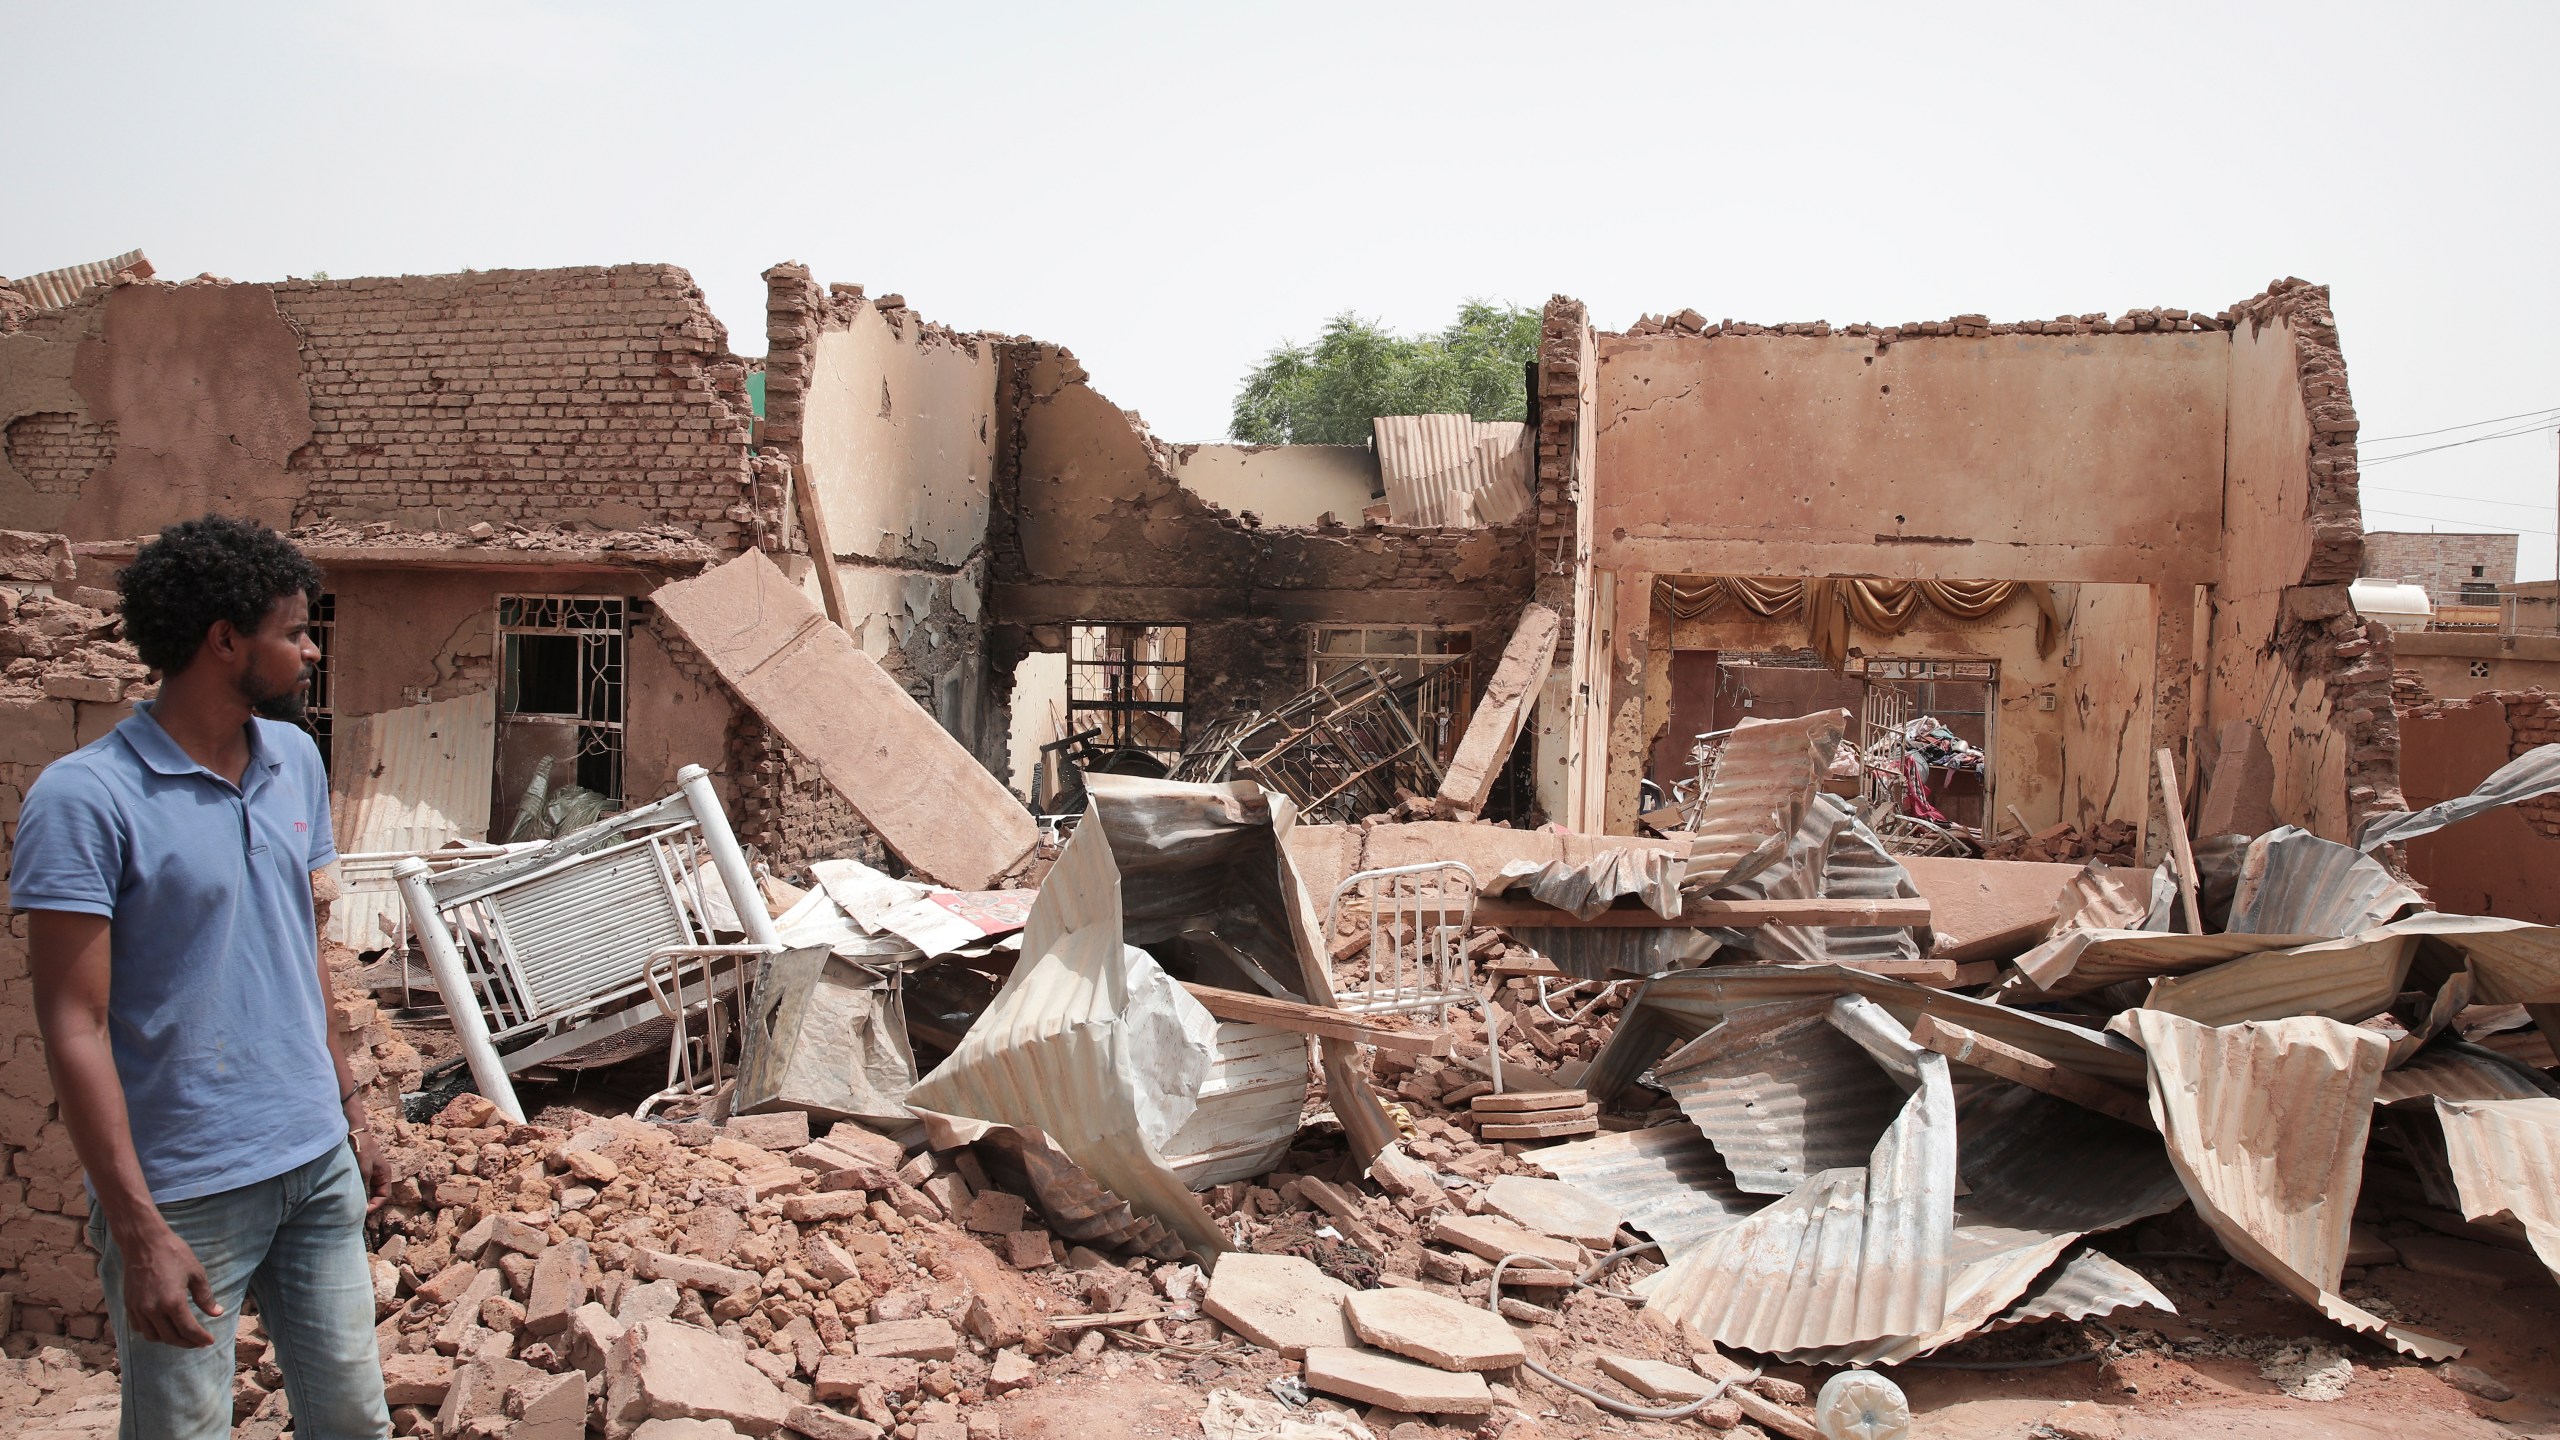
{"points": [[285, 705]]}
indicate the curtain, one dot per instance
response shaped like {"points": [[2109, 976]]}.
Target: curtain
{"points": [[1834, 609]]}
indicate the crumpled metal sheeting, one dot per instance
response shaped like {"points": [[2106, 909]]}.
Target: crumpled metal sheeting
{"points": [[1089, 1044], [2505, 1156], [2295, 883], [1852, 1257], [1076, 1209], [2348, 980], [2459, 1070], [1618, 952], [2115, 897], [1783, 1094], [1189, 853], [2266, 1122], [2513, 962], [1671, 1009], [2535, 772], [1831, 856], [2085, 960], [2090, 1283], [1667, 1182], [1587, 889], [1764, 777]]}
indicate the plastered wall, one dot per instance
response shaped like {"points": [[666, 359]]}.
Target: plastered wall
{"points": [[2107, 697], [1282, 484]]}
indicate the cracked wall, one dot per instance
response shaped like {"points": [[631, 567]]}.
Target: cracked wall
{"points": [[1092, 524]]}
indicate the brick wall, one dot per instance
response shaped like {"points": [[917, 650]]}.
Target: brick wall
{"points": [[57, 450], [1562, 327], [2441, 563], [604, 395]]}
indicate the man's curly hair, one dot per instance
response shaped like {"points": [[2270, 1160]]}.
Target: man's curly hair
{"points": [[200, 571]]}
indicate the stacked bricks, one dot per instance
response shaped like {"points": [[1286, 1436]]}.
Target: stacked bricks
{"points": [[57, 451], [2157, 321], [604, 395], [1562, 328]]}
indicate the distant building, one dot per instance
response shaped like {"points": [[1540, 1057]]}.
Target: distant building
{"points": [[2455, 569]]}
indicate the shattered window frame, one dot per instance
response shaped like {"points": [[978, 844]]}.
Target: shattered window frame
{"points": [[1130, 682], [599, 627], [1440, 657]]}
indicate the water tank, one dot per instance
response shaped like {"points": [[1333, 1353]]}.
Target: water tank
{"points": [[2395, 603]]}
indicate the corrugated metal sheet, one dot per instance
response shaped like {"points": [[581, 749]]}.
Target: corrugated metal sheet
{"points": [[2090, 1283], [1667, 1181], [2506, 1161], [589, 928], [2350, 980], [419, 779], [2513, 962], [2112, 897], [1618, 952], [53, 289], [1831, 856], [1854, 1256], [1248, 1107], [1452, 469], [1648, 872], [2535, 772], [1783, 1094], [2295, 883], [2454, 1070], [2087, 960], [1671, 1009], [1756, 797], [2266, 1122]]}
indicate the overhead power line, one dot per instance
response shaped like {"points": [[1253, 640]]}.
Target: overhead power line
{"points": [[2440, 520], [2470, 425], [2541, 507], [2458, 444]]}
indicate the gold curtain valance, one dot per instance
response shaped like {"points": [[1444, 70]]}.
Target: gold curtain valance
{"points": [[1834, 607]]}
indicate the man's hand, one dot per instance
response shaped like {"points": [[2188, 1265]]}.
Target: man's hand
{"points": [[376, 1169], [161, 1275]]}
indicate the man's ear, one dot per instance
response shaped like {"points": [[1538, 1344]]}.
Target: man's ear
{"points": [[223, 640]]}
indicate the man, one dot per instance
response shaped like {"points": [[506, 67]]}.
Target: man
{"points": [[165, 872]]}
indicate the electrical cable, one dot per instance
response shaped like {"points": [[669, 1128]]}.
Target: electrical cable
{"points": [[1606, 1401], [2471, 425], [2458, 444]]}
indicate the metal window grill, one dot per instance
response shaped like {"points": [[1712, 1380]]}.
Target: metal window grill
{"points": [[1340, 750], [318, 715], [1417, 918], [561, 661], [1128, 681], [557, 943], [1433, 667]]}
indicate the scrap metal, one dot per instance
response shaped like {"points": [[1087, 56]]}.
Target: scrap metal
{"points": [[2535, 772]]}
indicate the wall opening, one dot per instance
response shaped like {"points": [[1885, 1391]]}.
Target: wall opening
{"points": [[319, 715], [1125, 697], [560, 694]]}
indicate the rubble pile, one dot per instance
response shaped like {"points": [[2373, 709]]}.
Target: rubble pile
{"points": [[56, 640], [2111, 842]]}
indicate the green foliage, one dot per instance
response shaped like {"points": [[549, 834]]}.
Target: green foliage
{"points": [[1327, 392]]}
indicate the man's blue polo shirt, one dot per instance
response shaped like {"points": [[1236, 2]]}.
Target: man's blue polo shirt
{"points": [[214, 1006]]}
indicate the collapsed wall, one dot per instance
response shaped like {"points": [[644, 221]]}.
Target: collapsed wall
{"points": [[2505, 861], [1091, 525]]}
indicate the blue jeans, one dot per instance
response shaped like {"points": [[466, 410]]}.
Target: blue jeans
{"points": [[296, 1242]]}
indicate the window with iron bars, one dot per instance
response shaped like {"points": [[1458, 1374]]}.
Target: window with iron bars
{"points": [[317, 715], [561, 662], [1437, 664], [1127, 682]]}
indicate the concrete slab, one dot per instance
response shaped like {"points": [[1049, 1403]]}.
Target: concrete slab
{"points": [[1657, 1379], [1554, 1207], [1279, 1302], [1988, 909], [1493, 1238], [1375, 1379], [922, 791], [1434, 1329]]}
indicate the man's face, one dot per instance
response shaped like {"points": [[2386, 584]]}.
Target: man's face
{"points": [[281, 659]]}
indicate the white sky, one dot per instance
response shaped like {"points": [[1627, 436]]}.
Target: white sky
{"points": [[1170, 189]]}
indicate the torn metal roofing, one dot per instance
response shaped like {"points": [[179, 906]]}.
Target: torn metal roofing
{"points": [[1783, 1093], [2086, 960], [2088, 1284], [2535, 772], [1452, 469], [2512, 962], [2115, 897], [1667, 1181], [1618, 952], [1681, 1006], [2266, 1122], [2295, 883], [2348, 980], [2505, 1156], [53, 289], [1650, 873], [2458, 1070], [1831, 856], [1764, 778], [1852, 1257]]}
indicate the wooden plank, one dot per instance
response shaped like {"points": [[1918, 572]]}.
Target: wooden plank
{"points": [[1698, 914], [1314, 1020], [2176, 804], [1969, 1047]]}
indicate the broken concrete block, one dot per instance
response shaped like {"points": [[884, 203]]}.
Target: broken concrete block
{"points": [[558, 1288], [478, 1392], [1494, 1238], [1553, 1207], [548, 1407], [591, 1167], [828, 1205], [1279, 1302], [820, 1423], [1657, 1379], [781, 1131], [1434, 1329], [1375, 1379], [995, 1212], [591, 1336], [1400, 1174], [925, 1338], [827, 1260], [416, 1379], [687, 1271], [685, 1430], [664, 1370], [652, 1301], [1012, 1370], [515, 1233], [845, 1377], [1028, 1249]]}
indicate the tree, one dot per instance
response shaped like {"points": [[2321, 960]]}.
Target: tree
{"points": [[1326, 393]]}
